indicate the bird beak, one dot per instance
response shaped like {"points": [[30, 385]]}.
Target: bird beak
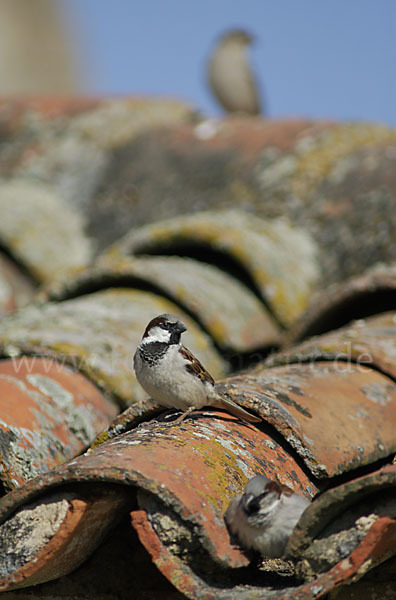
{"points": [[181, 327]]}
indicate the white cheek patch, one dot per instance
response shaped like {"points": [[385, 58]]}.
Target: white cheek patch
{"points": [[157, 334]]}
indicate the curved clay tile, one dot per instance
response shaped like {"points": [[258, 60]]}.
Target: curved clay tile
{"points": [[122, 163], [278, 260], [69, 143], [367, 343], [97, 334], [48, 414], [320, 422], [333, 181], [316, 196], [338, 184], [66, 525], [348, 511], [44, 123], [247, 137], [374, 544], [230, 312], [356, 298], [336, 416], [38, 228], [185, 473], [16, 287]]}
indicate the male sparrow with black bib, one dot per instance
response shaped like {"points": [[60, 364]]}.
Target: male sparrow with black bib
{"points": [[264, 516], [172, 375]]}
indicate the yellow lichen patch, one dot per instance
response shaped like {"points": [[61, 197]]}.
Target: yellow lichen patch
{"points": [[41, 230], [218, 331], [100, 439], [98, 333], [316, 157], [125, 119], [242, 194], [280, 258]]}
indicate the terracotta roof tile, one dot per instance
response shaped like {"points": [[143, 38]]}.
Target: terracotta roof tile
{"points": [[48, 415], [192, 470], [336, 416], [368, 294], [227, 309], [280, 259], [41, 231], [97, 334], [312, 203], [111, 160], [363, 342]]}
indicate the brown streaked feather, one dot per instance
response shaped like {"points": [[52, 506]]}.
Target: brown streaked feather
{"points": [[279, 488], [195, 367]]}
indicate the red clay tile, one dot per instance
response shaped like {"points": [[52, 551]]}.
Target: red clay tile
{"points": [[370, 341], [356, 298], [245, 136], [228, 310], [97, 334], [49, 413], [185, 476], [277, 259], [192, 470], [49, 107], [378, 544], [360, 496], [85, 519], [334, 181], [336, 416]]}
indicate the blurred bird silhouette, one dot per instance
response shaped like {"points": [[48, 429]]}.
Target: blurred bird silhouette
{"points": [[231, 76]]}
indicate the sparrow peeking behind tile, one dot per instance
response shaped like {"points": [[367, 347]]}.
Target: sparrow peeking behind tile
{"points": [[231, 76], [172, 375], [264, 516]]}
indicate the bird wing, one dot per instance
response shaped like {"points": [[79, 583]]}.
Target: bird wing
{"points": [[194, 366]]}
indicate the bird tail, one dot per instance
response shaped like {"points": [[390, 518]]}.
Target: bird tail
{"points": [[236, 410]]}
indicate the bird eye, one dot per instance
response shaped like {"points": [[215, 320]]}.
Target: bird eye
{"points": [[253, 506]]}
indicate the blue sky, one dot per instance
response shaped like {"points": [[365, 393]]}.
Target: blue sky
{"points": [[315, 58]]}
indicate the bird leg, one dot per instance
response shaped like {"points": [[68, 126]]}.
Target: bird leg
{"points": [[163, 417], [184, 415]]}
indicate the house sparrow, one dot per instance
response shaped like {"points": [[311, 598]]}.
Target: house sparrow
{"points": [[230, 75], [172, 375], [264, 516]]}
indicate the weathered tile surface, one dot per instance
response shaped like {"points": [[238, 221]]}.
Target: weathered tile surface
{"points": [[98, 335], [49, 413], [190, 470], [77, 174], [41, 230], [366, 342], [16, 287], [280, 259], [228, 310], [356, 298], [336, 416]]}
